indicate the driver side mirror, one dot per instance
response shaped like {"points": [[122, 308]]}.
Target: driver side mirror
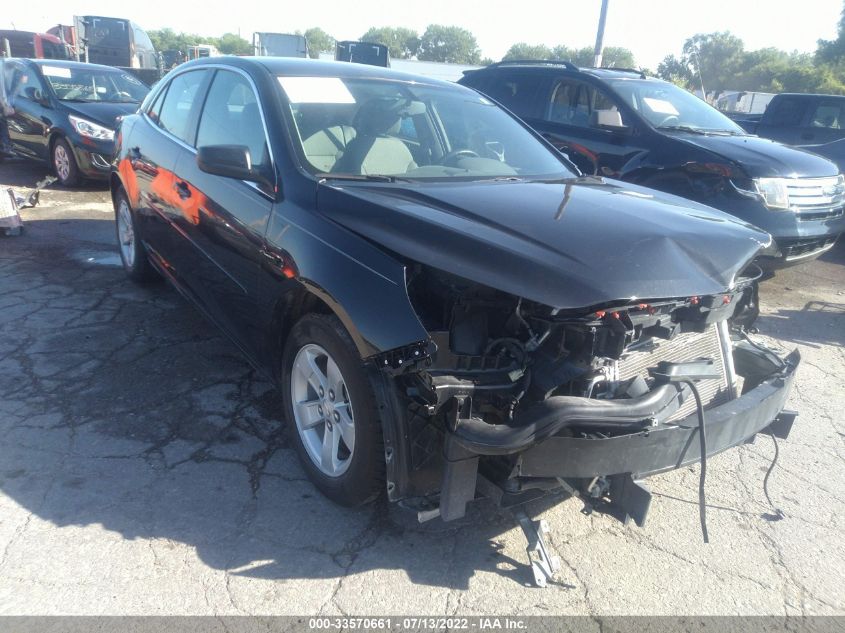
{"points": [[34, 94], [230, 161]]}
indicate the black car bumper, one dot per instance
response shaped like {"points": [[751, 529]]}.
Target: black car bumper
{"points": [[768, 379], [94, 162], [668, 447]]}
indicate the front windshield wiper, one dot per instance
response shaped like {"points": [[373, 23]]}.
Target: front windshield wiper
{"points": [[682, 128], [363, 177]]}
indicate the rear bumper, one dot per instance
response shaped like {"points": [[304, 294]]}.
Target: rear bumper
{"points": [[669, 446]]}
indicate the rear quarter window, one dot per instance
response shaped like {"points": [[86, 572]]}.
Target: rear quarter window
{"points": [[786, 112], [518, 92]]}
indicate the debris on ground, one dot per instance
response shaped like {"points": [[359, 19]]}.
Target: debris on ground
{"points": [[10, 205]]}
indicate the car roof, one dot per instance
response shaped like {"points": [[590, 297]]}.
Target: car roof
{"points": [[296, 66], [561, 66], [64, 63], [804, 95]]}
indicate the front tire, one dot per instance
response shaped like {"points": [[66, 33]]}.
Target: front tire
{"points": [[331, 411], [64, 163], [132, 252]]}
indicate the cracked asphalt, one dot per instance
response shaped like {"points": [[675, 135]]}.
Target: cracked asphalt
{"points": [[144, 470]]}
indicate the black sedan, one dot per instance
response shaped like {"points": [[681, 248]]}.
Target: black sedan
{"points": [[66, 113], [443, 299]]}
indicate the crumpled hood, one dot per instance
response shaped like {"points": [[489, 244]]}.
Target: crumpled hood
{"points": [[762, 158], [566, 244], [104, 113]]}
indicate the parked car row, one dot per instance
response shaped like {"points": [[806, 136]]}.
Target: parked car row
{"points": [[446, 302], [66, 113], [621, 124]]}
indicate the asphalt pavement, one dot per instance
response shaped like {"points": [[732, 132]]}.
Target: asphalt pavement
{"points": [[144, 469]]}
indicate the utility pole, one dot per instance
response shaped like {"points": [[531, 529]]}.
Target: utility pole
{"points": [[600, 34], [698, 66]]}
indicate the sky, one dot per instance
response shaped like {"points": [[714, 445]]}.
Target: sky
{"points": [[649, 28]]}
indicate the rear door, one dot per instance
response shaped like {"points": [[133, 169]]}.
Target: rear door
{"points": [[166, 132], [223, 218]]}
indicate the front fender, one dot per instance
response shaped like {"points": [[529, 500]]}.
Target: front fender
{"points": [[363, 286]]}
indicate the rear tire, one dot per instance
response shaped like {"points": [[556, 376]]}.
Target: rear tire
{"points": [[133, 255], [329, 404], [64, 163]]}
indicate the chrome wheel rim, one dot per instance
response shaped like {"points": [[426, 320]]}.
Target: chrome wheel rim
{"points": [[61, 161], [125, 233], [322, 410]]}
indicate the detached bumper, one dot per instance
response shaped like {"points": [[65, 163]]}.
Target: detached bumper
{"points": [[670, 446]]}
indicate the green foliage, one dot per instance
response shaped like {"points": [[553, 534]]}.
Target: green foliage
{"points": [[401, 42], [833, 51], [726, 65], [614, 56], [449, 44], [528, 51], [233, 44], [319, 42], [169, 40]]}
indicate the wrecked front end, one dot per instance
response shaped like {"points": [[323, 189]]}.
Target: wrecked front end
{"points": [[512, 399]]}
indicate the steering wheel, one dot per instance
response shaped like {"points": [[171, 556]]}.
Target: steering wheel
{"points": [[670, 120], [454, 155]]}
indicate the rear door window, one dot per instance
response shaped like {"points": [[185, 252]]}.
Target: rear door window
{"points": [[828, 114], [177, 109]]}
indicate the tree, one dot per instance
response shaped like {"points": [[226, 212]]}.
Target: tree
{"points": [[319, 42], [401, 42], [831, 51], [449, 44], [528, 51], [675, 70], [717, 57], [233, 44], [617, 57]]}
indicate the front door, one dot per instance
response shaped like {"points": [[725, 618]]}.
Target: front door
{"points": [[225, 219], [591, 127]]}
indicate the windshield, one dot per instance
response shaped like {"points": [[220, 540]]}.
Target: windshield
{"points": [[382, 128], [666, 106], [87, 84]]}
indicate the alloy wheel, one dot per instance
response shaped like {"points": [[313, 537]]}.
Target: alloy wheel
{"points": [[125, 233], [61, 161], [322, 410]]}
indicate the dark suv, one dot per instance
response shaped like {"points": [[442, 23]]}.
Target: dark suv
{"points": [[621, 124]]}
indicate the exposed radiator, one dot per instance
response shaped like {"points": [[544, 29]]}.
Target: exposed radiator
{"points": [[683, 347]]}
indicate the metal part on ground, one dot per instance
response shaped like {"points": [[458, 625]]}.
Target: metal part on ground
{"points": [[543, 565]]}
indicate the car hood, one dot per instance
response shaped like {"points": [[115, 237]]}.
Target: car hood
{"points": [[101, 112], [762, 158], [566, 244]]}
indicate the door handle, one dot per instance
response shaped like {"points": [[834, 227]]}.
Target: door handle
{"points": [[182, 189]]}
